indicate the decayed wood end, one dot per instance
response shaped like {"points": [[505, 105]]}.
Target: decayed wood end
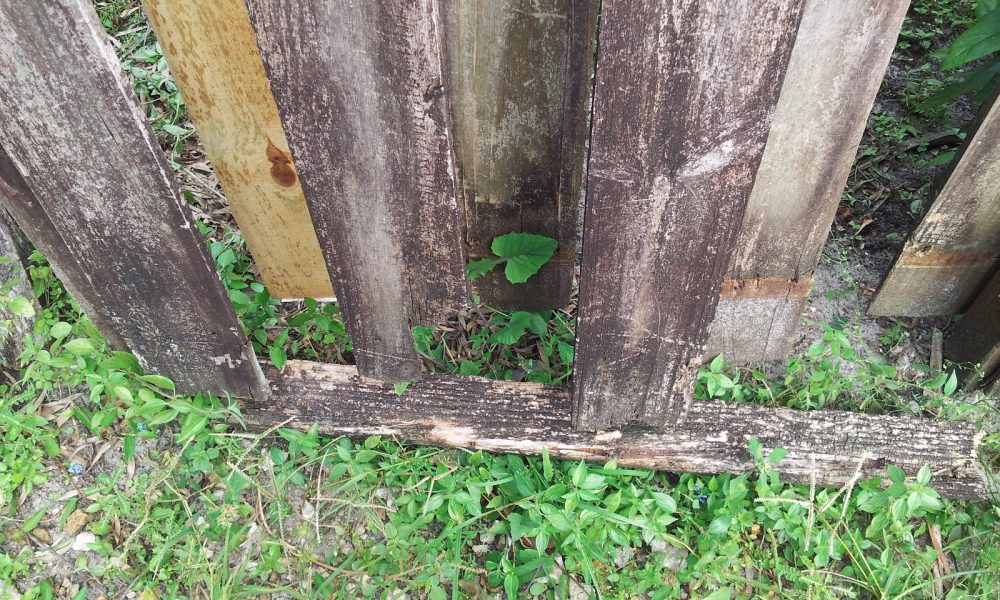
{"points": [[832, 448], [976, 338], [682, 104], [14, 250], [518, 78], [837, 64], [213, 57], [74, 130], [956, 246], [31, 218], [360, 92]]}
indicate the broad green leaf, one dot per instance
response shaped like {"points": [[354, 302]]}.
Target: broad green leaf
{"points": [[400, 388], [666, 502], [511, 333], [896, 475], [981, 39], [159, 381], [60, 330], [777, 455], [468, 367], [124, 361], [525, 254], [720, 525], [478, 268], [34, 520], [951, 385], [278, 356], [22, 307], [924, 475], [79, 347]]}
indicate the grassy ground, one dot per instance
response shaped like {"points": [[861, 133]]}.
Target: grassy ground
{"points": [[112, 486]]}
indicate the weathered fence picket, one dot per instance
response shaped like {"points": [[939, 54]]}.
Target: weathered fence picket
{"points": [[839, 59], [682, 104], [518, 77], [975, 338], [14, 250], [359, 88], [213, 57], [956, 246], [73, 129]]}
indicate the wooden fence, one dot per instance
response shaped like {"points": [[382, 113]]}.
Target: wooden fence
{"points": [[371, 149]]}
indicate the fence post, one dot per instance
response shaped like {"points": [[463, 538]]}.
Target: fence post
{"points": [[359, 88], [837, 64], [229, 99], [683, 101], [518, 81], [14, 250], [956, 246], [73, 129], [976, 338]]}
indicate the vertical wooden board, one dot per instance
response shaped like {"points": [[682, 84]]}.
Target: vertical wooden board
{"points": [[213, 56], [518, 77], [976, 338], [956, 246], [360, 92], [30, 216], [683, 101], [840, 55], [74, 130], [14, 250]]}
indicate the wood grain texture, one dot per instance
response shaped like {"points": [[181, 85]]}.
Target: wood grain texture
{"points": [[837, 64], [213, 57], [360, 92], [74, 130], [518, 77], [14, 251], [956, 247], [976, 338], [524, 418], [30, 216], [683, 101]]}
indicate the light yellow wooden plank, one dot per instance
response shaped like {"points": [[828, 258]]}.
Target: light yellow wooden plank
{"points": [[210, 47]]}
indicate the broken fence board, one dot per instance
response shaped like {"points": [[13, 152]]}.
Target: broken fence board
{"points": [[73, 128], [518, 78], [955, 248], [360, 92], [975, 338], [229, 99], [682, 105], [835, 448], [837, 64]]}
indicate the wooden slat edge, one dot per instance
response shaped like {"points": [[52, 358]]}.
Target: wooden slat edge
{"points": [[524, 418]]}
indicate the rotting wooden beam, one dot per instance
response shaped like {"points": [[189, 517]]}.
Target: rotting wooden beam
{"points": [[683, 97], [841, 52], [956, 247], [212, 53], [834, 448]]}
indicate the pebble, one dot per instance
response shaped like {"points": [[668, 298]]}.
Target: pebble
{"points": [[75, 522], [83, 541]]}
